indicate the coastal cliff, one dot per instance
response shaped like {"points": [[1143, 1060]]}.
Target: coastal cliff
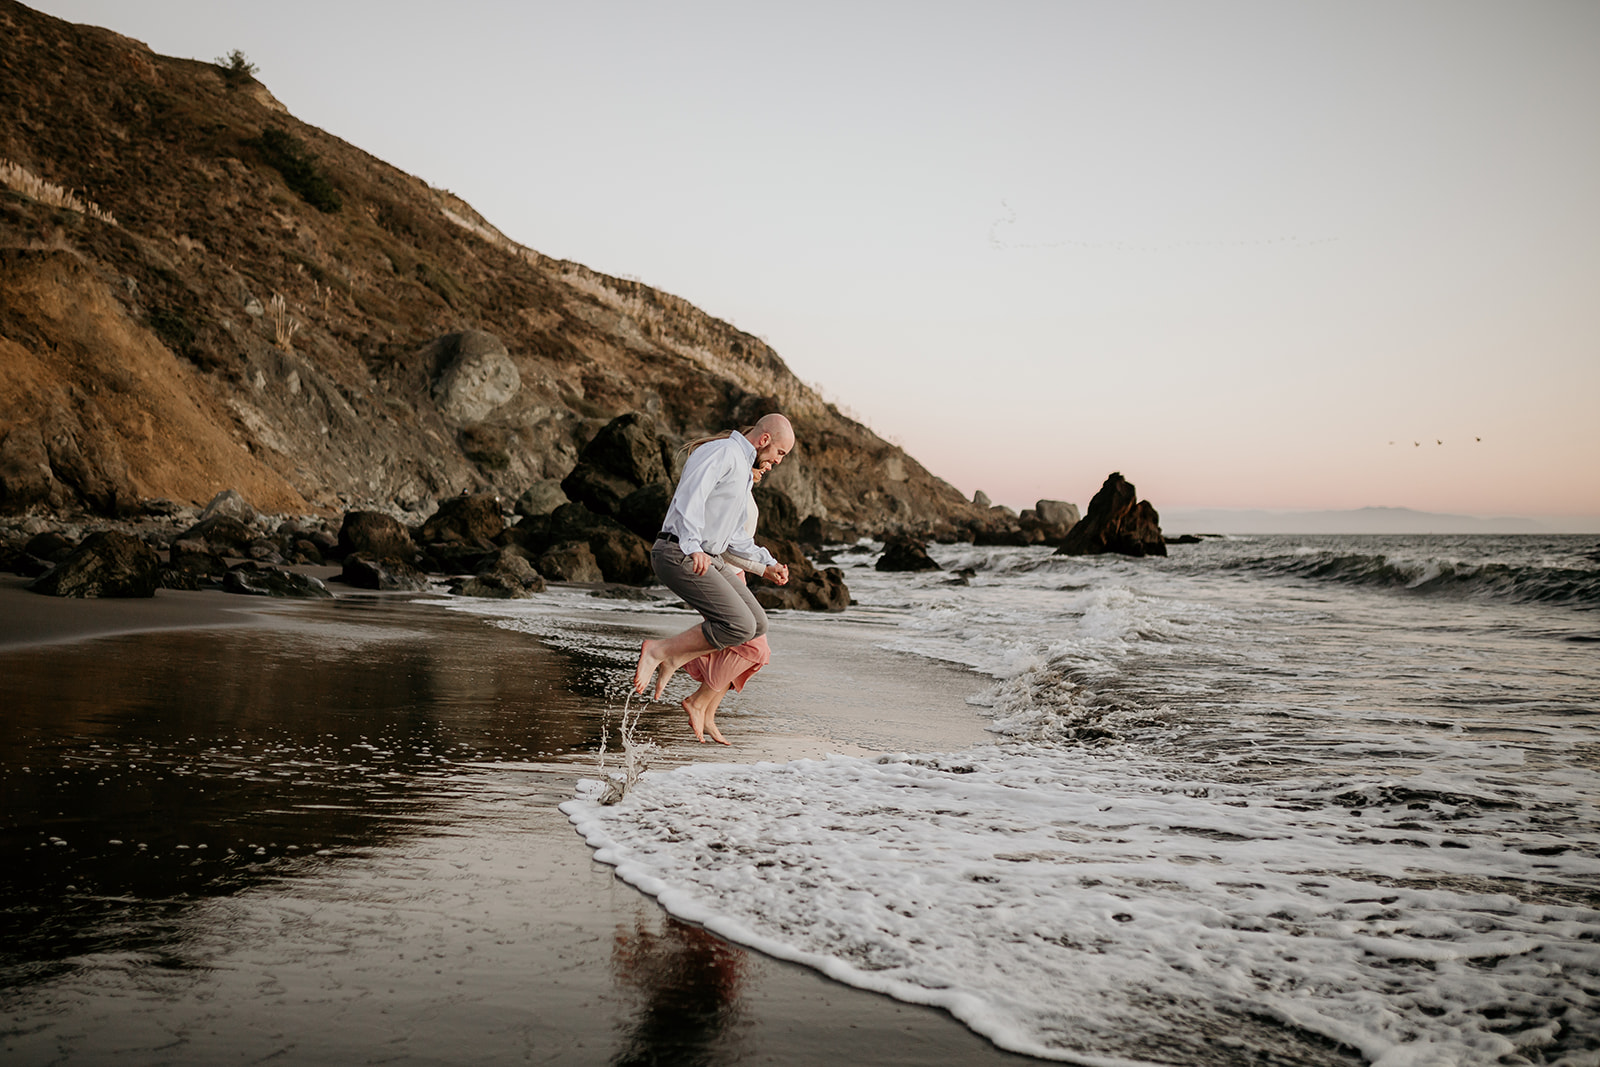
{"points": [[202, 292]]}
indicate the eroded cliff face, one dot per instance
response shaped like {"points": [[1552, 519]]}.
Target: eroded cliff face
{"points": [[261, 306]]}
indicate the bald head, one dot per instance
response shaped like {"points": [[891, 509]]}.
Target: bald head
{"points": [[773, 438]]}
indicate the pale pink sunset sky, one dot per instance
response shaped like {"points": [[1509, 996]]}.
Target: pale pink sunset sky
{"points": [[1233, 250]]}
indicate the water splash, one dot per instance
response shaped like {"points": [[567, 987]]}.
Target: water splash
{"points": [[637, 755]]}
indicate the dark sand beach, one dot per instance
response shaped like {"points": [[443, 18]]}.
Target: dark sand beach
{"points": [[240, 830]]}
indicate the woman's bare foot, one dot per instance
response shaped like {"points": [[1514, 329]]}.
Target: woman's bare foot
{"points": [[711, 707], [697, 717]]}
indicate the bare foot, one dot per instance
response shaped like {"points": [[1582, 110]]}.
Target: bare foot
{"points": [[649, 659], [667, 669], [716, 734], [697, 718]]}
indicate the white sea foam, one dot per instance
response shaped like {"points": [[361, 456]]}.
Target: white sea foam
{"points": [[1083, 909]]}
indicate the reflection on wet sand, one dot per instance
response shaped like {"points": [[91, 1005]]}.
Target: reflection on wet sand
{"points": [[142, 772], [690, 982]]}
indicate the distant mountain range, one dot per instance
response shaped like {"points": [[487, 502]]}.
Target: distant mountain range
{"points": [[1362, 521]]}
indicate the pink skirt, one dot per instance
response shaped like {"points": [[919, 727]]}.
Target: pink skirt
{"points": [[731, 667]]}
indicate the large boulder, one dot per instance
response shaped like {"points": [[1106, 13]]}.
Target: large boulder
{"points": [[570, 561], [376, 534], [193, 565], [506, 576], [221, 533], [997, 526], [229, 502], [615, 553], [1118, 521], [778, 516], [622, 557], [1057, 513], [259, 579], [52, 546], [106, 564], [390, 573], [645, 509], [473, 376], [471, 519], [901, 553], [623, 457], [540, 498]]}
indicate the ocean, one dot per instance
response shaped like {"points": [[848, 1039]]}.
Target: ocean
{"points": [[1270, 800]]}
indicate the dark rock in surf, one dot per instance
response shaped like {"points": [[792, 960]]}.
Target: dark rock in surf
{"points": [[1117, 522], [905, 554], [106, 564], [453, 557], [622, 557], [197, 561]]}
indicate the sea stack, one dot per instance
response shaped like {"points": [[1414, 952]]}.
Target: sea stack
{"points": [[1118, 521]]}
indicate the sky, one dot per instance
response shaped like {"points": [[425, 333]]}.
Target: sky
{"points": [[1319, 255]]}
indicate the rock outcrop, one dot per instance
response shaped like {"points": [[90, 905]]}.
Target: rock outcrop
{"points": [[106, 564], [624, 457], [507, 575], [375, 534], [258, 579], [905, 554], [1118, 521], [389, 574], [475, 376]]}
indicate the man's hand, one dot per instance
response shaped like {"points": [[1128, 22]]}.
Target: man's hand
{"points": [[700, 562], [777, 573]]}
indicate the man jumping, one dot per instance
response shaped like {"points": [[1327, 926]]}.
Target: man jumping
{"points": [[707, 518]]}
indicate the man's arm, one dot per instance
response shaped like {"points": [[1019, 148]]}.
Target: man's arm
{"points": [[745, 546]]}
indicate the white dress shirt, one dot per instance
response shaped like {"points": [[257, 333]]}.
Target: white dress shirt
{"points": [[709, 508]]}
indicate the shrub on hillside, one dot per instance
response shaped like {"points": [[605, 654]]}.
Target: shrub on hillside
{"points": [[236, 67], [290, 158]]}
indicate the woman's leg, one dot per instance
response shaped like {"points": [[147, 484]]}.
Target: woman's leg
{"points": [[701, 707], [710, 724]]}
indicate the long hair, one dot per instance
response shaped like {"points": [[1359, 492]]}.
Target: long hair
{"points": [[686, 449]]}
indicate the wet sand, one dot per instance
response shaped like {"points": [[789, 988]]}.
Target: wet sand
{"points": [[236, 830]]}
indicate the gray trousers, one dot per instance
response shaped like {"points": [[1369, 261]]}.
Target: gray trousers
{"points": [[730, 610]]}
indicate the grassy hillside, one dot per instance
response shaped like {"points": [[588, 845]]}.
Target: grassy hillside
{"points": [[202, 292]]}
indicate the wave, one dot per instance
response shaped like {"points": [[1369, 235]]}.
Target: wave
{"points": [[1536, 583]]}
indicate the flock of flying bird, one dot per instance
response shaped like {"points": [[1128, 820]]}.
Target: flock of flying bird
{"points": [[1435, 441]]}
